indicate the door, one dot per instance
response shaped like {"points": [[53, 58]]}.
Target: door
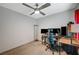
{"points": [[35, 32]]}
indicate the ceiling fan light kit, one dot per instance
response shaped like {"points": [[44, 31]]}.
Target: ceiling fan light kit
{"points": [[37, 12]]}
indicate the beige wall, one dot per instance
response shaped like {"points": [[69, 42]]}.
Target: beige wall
{"points": [[55, 21], [15, 29]]}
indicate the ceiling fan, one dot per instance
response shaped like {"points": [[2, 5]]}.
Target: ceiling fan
{"points": [[37, 10]]}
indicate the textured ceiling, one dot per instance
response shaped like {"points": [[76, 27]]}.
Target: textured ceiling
{"points": [[53, 9]]}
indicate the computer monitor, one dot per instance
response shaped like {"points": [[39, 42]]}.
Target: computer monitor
{"points": [[56, 30], [44, 30], [64, 31]]}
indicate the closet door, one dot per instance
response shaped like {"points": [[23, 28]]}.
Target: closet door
{"points": [[35, 32]]}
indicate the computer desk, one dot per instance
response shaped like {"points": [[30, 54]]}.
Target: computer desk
{"points": [[68, 41]]}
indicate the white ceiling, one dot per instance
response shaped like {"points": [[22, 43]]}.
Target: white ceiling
{"points": [[53, 9]]}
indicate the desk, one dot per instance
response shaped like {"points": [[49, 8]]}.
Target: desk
{"points": [[68, 41], [73, 48]]}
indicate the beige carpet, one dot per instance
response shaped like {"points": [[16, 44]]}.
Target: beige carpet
{"points": [[33, 48]]}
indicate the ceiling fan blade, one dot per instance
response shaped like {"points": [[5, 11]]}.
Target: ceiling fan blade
{"points": [[27, 5], [42, 13], [32, 13], [44, 6]]}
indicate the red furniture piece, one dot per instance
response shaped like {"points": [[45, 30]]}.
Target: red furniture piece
{"points": [[77, 16], [77, 22], [75, 36]]}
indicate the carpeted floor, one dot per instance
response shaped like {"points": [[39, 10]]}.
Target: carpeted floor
{"points": [[33, 48]]}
